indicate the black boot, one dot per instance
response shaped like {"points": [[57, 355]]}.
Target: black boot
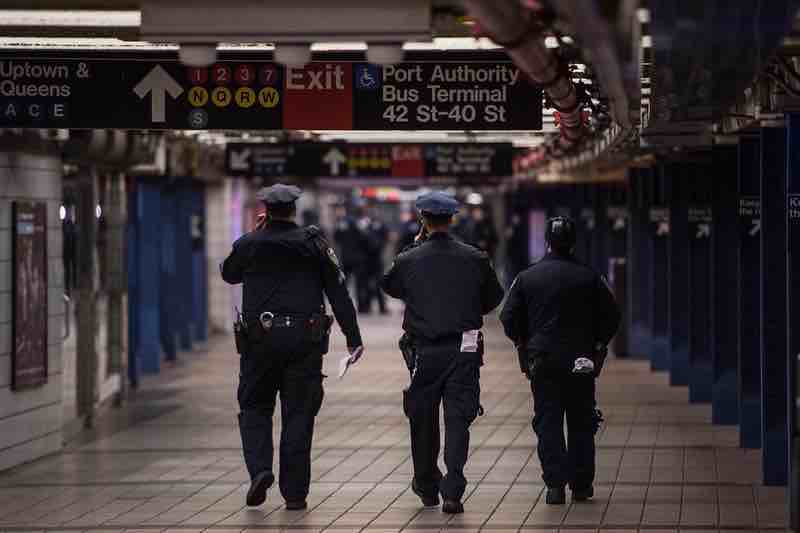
{"points": [[298, 505], [556, 496], [452, 507], [258, 489], [581, 495], [427, 501]]}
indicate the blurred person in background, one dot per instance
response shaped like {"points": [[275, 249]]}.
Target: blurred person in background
{"points": [[352, 243], [408, 230], [377, 237]]}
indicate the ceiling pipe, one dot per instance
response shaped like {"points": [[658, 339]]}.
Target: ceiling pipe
{"points": [[510, 24]]}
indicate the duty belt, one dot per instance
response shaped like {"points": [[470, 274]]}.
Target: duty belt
{"points": [[269, 320]]}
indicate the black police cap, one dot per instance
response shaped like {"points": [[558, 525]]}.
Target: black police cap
{"points": [[560, 233], [437, 203], [279, 194]]}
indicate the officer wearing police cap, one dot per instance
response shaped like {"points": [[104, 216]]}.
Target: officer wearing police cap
{"points": [[561, 315], [282, 334], [447, 287]]}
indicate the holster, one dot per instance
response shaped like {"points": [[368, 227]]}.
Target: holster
{"points": [[406, 345], [240, 336], [321, 330]]}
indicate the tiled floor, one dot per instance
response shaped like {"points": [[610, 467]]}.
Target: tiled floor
{"points": [[661, 465]]}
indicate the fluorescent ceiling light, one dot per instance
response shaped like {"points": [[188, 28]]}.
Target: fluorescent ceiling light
{"points": [[339, 47], [75, 17], [453, 43]]}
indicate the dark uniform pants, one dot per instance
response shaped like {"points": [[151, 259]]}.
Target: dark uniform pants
{"points": [[555, 394], [442, 374], [290, 366]]}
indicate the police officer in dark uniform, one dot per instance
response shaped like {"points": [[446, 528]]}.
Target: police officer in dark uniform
{"points": [[447, 287], [561, 314], [282, 334]]}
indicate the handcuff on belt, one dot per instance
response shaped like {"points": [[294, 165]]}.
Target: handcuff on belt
{"points": [[267, 320]]}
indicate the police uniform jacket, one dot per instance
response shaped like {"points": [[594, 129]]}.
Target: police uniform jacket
{"points": [[285, 269], [559, 306], [447, 287]]}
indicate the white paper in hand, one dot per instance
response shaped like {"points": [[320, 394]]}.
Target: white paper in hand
{"points": [[344, 364], [348, 360], [469, 341]]}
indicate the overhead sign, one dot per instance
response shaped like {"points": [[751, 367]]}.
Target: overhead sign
{"points": [[154, 91], [405, 160]]}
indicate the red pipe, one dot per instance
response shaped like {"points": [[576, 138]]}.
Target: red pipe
{"points": [[511, 25]]}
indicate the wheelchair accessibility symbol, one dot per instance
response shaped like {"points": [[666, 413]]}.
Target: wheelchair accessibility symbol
{"points": [[367, 77]]}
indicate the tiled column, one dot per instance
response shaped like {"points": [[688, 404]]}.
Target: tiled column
{"points": [[679, 274], [584, 247], [659, 231], [700, 283], [85, 295], [618, 217], [144, 278], [774, 348], [183, 251], [749, 293], [199, 263], [601, 229], [725, 278], [640, 262], [31, 419], [793, 270], [169, 311]]}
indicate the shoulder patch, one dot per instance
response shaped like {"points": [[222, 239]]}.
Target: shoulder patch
{"points": [[332, 256]]}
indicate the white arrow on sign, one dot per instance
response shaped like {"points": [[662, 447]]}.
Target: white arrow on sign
{"points": [[158, 82], [756, 227], [240, 159], [334, 159], [703, 230]]}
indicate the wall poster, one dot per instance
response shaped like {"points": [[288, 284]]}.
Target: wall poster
{"points": [[29, 280]]}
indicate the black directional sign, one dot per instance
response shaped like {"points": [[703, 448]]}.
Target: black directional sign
{"points": [[659, 218], [618, 216], [750, 216], [339, 159], [700, 219], [152, 90]]}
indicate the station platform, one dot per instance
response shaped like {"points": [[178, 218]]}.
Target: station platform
{"points": [[174, 462]]}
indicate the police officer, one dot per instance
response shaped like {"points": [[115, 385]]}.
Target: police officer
{"points": [[281, 336], [559, 310], [447, 287]]}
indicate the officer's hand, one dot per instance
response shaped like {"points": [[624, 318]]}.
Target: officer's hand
{"points": [[261, 221], [422, 235], [355, 353]]}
